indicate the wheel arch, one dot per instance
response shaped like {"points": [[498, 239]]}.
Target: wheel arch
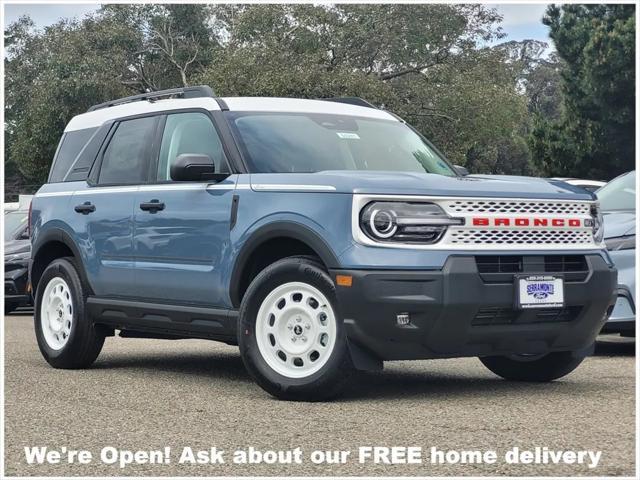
{"points": [[50, 245], [298, 234]]}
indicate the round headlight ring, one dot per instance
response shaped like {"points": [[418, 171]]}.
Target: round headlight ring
{"points": [[387, 219]]}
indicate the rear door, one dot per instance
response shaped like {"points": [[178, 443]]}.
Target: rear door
{"points": [[104, 209], [182, 228]]}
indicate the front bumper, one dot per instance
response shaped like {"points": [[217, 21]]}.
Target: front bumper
{"points": [[623, 318], [15, 284], [460, 312]]}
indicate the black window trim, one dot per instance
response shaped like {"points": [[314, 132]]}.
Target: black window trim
{"points": [[233, 158]]}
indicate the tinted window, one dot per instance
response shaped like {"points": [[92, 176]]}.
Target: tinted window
{"points": [[619, 193], [70, 147], [125, 158], [14, 221], [188, 133], [285, 142]]}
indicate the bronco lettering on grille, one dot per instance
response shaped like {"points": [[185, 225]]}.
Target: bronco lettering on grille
{"points": [[526, 222]]}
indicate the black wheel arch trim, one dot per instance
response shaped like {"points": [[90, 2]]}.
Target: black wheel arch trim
{"points": [[294, 230], [56, 234]]}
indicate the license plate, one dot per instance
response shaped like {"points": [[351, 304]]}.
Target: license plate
{"points": [[539, 291]]}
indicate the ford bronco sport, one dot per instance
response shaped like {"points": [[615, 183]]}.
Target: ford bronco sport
{"points": [[320, 236]]}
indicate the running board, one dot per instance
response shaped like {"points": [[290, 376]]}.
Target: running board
{"points": [[185, 321]]}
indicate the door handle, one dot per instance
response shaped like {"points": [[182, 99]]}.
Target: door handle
{"points": [[86, 208], [153, 206]]}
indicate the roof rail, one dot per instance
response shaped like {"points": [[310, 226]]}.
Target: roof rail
{"points": [[360, 102], [184, 92]]}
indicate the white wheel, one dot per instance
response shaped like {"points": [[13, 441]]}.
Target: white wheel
{"points": [[56, 313], [296, 330]]}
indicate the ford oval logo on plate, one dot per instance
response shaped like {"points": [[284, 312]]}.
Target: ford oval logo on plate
{"points": [[539, 291]]}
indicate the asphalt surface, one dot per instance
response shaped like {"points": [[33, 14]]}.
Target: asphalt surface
{"points": [[152, 394]]}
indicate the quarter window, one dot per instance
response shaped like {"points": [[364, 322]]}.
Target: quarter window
{"points": [[71, 145], [189, 133], [125, 159]]}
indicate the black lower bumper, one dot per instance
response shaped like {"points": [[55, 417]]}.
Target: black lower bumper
{"points": [[15, 285], [459, 312]]}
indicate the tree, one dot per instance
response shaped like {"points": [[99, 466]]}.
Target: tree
{"points": [[428, 63], [594, 135]]}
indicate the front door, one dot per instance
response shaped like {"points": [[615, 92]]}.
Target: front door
{"points": [[181, 229]]}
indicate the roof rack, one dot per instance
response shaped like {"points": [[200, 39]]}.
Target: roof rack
{"points": [[184, 92], [360, 102]]}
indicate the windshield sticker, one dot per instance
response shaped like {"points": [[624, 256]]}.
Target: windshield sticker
{"points": [[348, 135]]}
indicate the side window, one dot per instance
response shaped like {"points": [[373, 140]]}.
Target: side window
{"points": [[189, 133], [125, 158], [70, 147]]}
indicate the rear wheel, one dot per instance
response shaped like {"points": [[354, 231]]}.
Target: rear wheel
{"points": [[66, 335], [533, 368], [291, 335]]}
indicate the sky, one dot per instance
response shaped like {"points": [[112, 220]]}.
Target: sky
{"points": [[521, 21]]}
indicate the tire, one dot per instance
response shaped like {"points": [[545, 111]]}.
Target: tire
{"points": [[541, 369], [66, 335], [9, 307], [313, 362]]}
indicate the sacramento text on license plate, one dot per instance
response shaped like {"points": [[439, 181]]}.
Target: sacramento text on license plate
{"points": [[539, 291]]}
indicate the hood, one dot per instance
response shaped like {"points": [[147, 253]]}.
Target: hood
{"points": [[619, 222], [12, 247], [408, 183]]}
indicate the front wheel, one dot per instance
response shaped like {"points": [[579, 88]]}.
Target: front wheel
{"points": [[291, 334], [66, 335], [528, 368]]}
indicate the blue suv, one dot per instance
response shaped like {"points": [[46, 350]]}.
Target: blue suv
{"points": [[321, 236]]}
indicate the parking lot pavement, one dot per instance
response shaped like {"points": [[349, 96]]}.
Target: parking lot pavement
{"points": [[150, 394]]}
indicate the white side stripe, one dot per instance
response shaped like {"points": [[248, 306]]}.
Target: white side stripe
{"points": [[168, 188], [285, 187]]}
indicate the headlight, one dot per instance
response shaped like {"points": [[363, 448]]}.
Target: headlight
{"points": [[621, 243], [407, 222], [597, 224]]}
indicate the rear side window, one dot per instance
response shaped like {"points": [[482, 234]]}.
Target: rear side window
{"points": [[70, 147], [125, 158]]}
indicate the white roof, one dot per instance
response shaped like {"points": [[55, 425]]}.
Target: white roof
{"points": [[297, 105], [256, 104]]}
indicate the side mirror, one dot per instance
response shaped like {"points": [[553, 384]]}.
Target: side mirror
{"points": [[194, 167], [461, 170]]}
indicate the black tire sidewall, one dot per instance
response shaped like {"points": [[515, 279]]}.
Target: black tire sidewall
{"points": [[66, 356], [321, 384], [545, 369]]}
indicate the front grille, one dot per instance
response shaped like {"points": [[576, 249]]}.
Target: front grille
{"points": [[465, 236], [501, 268], [509, 316], [494, 316], [519, 206]]}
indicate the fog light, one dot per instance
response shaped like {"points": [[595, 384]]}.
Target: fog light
{"points": [[403, 319]]}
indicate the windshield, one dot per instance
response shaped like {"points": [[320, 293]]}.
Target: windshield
{"points": [[306, 143], [619, 193], [12, 222]]}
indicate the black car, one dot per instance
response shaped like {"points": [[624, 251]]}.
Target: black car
{"points": [[17, 252]]}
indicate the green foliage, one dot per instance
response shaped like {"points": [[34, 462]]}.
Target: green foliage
{"points": [[594, 136], [427, 63]]}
